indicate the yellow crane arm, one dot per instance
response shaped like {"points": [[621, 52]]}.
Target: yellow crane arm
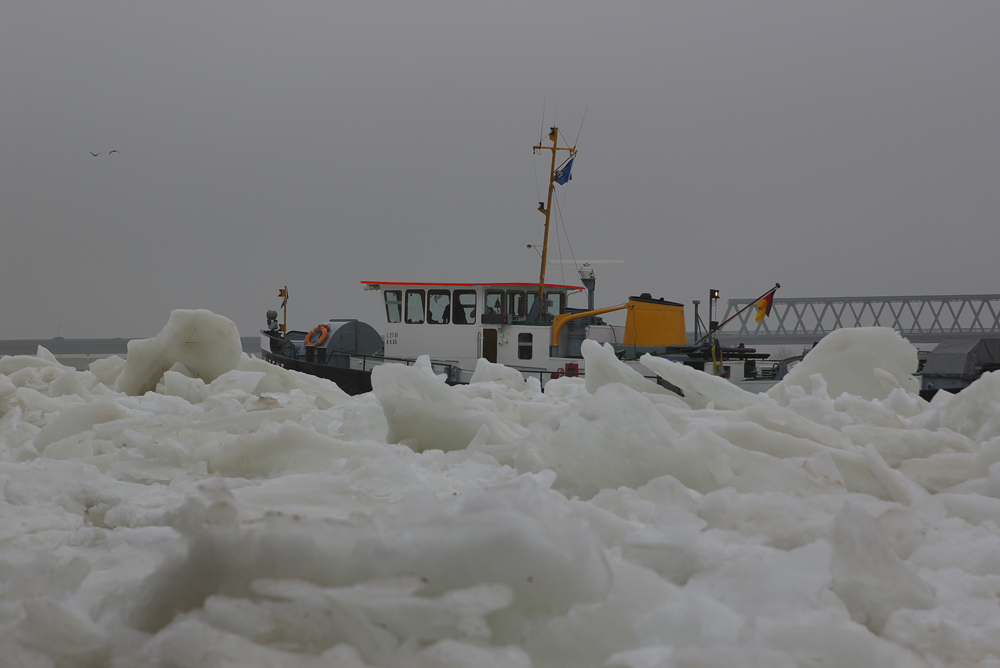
{"points": [[560, 320]]}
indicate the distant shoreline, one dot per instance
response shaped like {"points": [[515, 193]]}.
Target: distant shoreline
{"points": [[79, 353]]}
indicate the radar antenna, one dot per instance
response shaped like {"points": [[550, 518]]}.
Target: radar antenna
{"points": [[587, 275]]}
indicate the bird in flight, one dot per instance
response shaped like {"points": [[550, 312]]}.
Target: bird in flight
{"points": [[110, 152], [94, 154]]}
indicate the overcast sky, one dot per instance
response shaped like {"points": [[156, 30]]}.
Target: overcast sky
{"points": [[839, 148]]}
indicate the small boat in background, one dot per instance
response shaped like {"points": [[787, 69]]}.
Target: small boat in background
{"points": [[343, 351]]}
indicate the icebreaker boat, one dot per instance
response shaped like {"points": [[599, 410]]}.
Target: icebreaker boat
{"points": [[525, 326], [456, 324]]}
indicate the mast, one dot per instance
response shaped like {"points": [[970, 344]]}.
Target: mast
{"points": [[546, 208], [283, 293]]}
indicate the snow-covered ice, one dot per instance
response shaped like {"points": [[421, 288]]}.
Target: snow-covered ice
{"points": [[193, 506]]}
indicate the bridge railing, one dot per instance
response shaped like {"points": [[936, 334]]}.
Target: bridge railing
{"points": [[919, 318]]}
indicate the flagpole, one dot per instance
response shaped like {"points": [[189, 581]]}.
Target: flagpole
{"points": [[752, 303], [283, 293], [546, 208]]}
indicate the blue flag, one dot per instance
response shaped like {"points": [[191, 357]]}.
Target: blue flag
{"points": [[565, 174]]}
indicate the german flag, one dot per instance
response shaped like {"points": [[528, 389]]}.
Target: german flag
{"points": [[764, 306]]}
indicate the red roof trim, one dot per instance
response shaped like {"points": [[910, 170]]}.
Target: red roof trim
{"points": [[471, 285]]}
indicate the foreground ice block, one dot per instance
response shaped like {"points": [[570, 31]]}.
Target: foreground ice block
{"points": [[263, 518], [847, 360], [972, 412], [617, 436], [868, 576], [604, 368], [701, 388], [424, 413], [207, 344]]}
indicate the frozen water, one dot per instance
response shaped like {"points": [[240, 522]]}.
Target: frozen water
{"points": [[192, 506], [849, 361], [206, 344], [424, 413]]}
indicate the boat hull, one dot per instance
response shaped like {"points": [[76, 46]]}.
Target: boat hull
{"points": [[351, 381]]}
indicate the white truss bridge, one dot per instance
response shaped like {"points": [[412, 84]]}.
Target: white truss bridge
{"points": [[919, 318]]}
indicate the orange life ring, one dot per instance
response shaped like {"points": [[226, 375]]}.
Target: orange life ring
{"points": [[323, 330]]}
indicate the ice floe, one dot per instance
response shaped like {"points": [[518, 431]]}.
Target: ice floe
{"points": [[192, 506]]}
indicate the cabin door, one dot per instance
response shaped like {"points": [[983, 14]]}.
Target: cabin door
{"points": [[490, 345]]}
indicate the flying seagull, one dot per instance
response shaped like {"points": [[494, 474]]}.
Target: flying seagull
{"points": [[94, 154], [110, 152]]}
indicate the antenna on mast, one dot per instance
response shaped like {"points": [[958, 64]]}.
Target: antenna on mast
{"points": [[581, 126], [541, 132]]}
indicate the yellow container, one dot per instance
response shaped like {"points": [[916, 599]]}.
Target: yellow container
{"points": [[654, 322]]}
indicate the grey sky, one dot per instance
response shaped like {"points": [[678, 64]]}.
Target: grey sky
{"points": [[841, 148]]}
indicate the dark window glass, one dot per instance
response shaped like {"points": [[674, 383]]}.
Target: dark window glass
{"points": [[558, 300], [493, 302], [438, 307], [414, 306], [464, 307], [393, 305], [524, 346], [515, 303]]}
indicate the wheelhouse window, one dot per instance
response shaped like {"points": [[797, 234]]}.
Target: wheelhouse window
{"points": [[464, 307], [558, 300], [394, 305], [524, 346], [438, 307], [493, 302], [515, 303], [414, 306]]}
